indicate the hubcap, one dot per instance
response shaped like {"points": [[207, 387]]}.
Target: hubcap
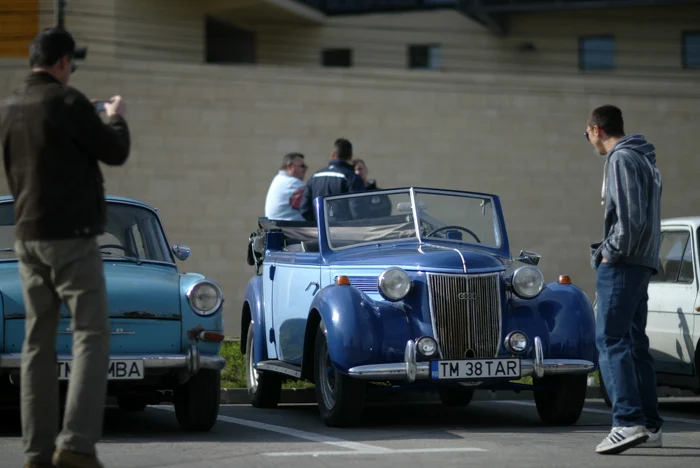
{"points": [[327, 377]]}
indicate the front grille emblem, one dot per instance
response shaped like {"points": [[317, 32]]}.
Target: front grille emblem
{"points": [[467, 296]]}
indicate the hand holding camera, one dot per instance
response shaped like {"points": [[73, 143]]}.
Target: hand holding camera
{"points": [[113, 106]]}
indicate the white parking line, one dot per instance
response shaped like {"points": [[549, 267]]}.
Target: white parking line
{"points": [[592, 410], [354, 448], [387, 452]]}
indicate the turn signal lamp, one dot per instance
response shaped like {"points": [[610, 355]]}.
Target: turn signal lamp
{"points": [[342, 280], [564, 279]]}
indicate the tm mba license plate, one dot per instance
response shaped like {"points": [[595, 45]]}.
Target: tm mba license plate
{"points": [[466, 369]]}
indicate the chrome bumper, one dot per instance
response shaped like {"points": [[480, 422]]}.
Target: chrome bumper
{"points": [[192, 361], [411, 370]]}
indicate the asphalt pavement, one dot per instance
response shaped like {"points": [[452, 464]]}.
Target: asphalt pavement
{"points": [[486, 433]]}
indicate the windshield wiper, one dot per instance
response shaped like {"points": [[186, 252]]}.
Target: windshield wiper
{"points": [[136, 260], [7, 249]]}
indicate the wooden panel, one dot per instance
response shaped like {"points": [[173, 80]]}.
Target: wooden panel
{"points": [[19, 23]]}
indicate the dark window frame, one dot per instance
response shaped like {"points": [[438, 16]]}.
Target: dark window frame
{"points": [[581, 52], [427, 46], [684, 35], [332, 50]]}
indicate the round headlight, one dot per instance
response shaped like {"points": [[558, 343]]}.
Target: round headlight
{"points": [[516, 342], [427, 346], [204, 297], [527, 282], [394, 284]]}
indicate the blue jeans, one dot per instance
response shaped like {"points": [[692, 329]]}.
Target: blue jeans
{"points": [[625, 363]]}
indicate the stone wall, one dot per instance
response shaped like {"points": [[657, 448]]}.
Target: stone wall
{"points": [[207, 141]]}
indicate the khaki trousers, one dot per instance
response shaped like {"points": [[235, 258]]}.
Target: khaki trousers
{"points": [[70, 272]]}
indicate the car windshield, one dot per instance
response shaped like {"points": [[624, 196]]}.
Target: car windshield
{"points": [[383, 216], [132, 233]]}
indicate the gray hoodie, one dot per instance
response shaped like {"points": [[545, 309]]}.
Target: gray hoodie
{"points": [[632, 198]]}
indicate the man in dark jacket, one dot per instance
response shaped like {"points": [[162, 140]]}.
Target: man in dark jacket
{"points": [[53, 140], [624, 262], [339, 177]]}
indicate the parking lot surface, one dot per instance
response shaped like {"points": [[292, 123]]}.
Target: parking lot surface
{"points": [[486, 433]]}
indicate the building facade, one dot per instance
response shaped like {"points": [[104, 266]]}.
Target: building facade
{"points": [[492, 98]]}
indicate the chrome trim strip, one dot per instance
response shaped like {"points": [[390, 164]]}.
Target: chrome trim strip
{"points": [[269, 366], [150, 361]]}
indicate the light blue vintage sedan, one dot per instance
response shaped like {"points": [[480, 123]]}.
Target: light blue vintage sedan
{"points": [[167, 326], [426, 294]]}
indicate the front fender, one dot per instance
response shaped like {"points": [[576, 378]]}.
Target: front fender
{"points": [[191, 322], [562, 316], [360, 330], [253, 310]]}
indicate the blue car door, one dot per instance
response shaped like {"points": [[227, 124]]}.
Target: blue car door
{"points": [[296, 281]]}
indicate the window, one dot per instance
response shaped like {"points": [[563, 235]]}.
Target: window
{"points": [[226, 43], [676, 258], [596, 53], [336, 58], [424, 56], [691, 49]]}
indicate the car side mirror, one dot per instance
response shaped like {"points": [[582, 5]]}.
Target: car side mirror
{"points": [[181, 251], [530, 258]]}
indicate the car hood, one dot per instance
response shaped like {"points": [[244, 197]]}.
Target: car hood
{"points": [[422, 257], [133, 291]]}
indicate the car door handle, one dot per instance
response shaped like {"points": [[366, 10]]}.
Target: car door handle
{"points": [[313, 283]]}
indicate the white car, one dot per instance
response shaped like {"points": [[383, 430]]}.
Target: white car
{"points": [[673, 323]]}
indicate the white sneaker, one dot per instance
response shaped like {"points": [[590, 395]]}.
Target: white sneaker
{"points": [[621, 439], [655, 440]]}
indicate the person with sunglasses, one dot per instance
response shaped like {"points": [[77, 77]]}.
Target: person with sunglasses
{"points": [[286, 189], [624, 262], [53, 141]]}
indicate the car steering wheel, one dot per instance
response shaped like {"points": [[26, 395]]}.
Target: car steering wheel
{"points": [[434, 231]]}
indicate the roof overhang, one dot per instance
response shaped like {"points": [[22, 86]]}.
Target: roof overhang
{"points": [[267, 12], [494, 13]]}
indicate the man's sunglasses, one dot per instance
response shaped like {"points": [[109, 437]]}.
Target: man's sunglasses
{"points": [[586, 135]]}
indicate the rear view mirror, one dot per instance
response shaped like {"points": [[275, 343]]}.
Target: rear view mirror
{"points": [[405, 207], [527, 257]]}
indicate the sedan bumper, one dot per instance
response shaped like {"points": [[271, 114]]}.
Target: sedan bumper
{"points": [[192, 361], [412, 370]]}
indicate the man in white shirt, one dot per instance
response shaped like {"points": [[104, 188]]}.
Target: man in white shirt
{"points": [[286, 190]]}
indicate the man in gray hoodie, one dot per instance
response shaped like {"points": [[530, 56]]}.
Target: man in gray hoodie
{"points": [[624, 262]]}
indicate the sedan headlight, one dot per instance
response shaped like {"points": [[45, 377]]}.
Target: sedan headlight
{"points": [[527, 282], [394, 284], [204, 297]]}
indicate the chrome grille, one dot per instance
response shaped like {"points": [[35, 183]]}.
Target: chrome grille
{"points": [[466, 314]]}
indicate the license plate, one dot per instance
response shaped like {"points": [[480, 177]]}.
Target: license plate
{"points": [[118, 370], [476, 369]]}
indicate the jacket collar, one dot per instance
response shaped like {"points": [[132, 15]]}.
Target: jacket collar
{"points": [[36, 77], [341, 163]]}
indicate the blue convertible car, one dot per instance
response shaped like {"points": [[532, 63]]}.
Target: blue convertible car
{"points": [[167, 326], [427, 294]]}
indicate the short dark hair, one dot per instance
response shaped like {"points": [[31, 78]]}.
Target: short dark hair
{"points": [[289, 159], [608, 118], [49, 46], [355, 162], [343, 149]]}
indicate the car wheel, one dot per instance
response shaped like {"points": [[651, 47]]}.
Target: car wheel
{"points": [[561, 401], [131, 403], [340, 397], [197, 400], [455, 395], [264, 388]]}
